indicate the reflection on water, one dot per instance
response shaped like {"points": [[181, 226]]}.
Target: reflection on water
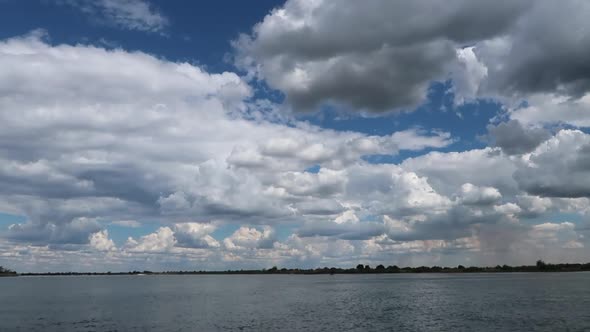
{"points": [[428, 302]]}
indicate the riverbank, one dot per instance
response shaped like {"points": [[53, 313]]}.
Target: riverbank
{"points": [[359, 269], [8, 275]]}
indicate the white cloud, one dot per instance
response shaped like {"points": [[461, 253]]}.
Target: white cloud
{"points": [[76, 232], [534, 205], [180, 238], [559, 167], [127, 14], [556, 234], [347, 217], [160, 241], [510, 209], [547, 109], [127, 223], [471, 194], [416, 139], [100, 241], [513, 52], [195, 235], [468, 76], [449, 171], [250, 238], [311, 52]]}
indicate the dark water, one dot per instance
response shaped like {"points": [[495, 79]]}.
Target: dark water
{"points": [[427, 302]]}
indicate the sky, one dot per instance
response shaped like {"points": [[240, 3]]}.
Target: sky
{"points": [[214, 135]]}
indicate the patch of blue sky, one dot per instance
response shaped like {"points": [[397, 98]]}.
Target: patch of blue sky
{"points": [[223, 231], [313, 169], [7, 219], [555, 217], [283, 232], [119, 234], [466, 123], [190, 36]]}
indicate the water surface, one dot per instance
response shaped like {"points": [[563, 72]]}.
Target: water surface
{"points": [[408, 302]]}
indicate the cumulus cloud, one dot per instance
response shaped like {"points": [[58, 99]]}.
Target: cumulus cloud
{"points": [[160, 241], [250, 238], [447, 172], [473, 195], [550, 109], [533, 206], [345, 226], [101, 241], [513, 138], [468, 75], [555, 168], [559, 167], [541, 55], [560, 234], [100, 147], [195, 235], [511, 51], [312, 52], [75, 232], [173, 239]]}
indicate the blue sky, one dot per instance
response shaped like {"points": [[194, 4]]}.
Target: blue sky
{"points": [[200, 33], [244, 134]]}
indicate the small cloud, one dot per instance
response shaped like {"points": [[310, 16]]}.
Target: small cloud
{"points": [[101, 242], [127, 223], [126, 14]]}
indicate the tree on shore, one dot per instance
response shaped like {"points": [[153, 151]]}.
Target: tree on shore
{"points": [[6, 271]]}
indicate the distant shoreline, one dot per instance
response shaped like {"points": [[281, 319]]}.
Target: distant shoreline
{"points": [[360, 269]]}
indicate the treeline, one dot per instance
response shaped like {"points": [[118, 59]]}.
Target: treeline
{"points": [[540, 266], [6, 272]]}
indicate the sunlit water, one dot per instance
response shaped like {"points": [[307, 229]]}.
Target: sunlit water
{"points": [[425, 302]]}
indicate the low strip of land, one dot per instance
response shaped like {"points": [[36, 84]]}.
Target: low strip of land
{"points": [[540, 266]]}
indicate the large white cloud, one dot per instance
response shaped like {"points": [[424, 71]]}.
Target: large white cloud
{"points": [[372, 56], [101, 241], [383, 55], [195, 235], [112, 134], [545, 109], [161, 240], [250, 238], [559, 167], [481, 167]]}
